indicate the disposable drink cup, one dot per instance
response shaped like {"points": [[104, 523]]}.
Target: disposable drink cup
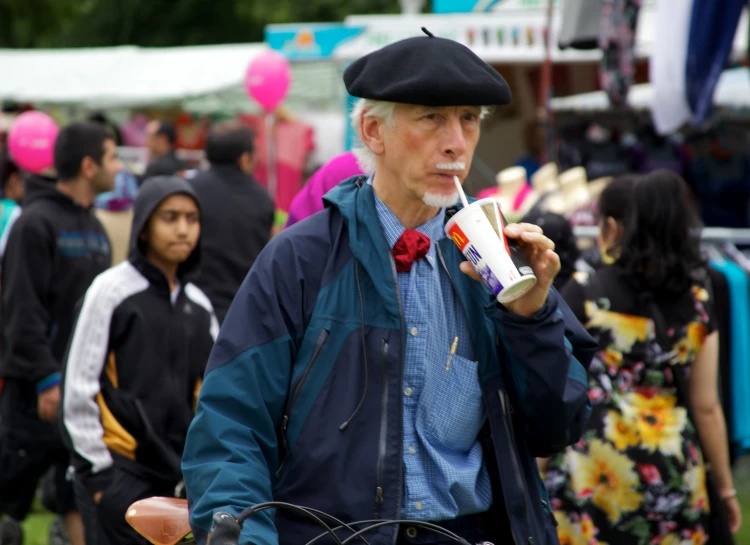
{"points": [[477, 230]]}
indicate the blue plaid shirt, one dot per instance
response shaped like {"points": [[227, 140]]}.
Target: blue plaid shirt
{"points": [[445, 476]]}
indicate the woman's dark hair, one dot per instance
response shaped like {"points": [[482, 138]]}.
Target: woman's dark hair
{"points": [[659, 250], [614, 200], [74, 143]]}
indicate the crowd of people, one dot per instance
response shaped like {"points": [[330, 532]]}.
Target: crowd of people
{"points": [[221, 361]]}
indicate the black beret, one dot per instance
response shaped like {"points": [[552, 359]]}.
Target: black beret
{"points": [[429, 71]]}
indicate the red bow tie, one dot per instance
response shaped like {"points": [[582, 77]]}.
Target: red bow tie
{"points": [[411, 246]]}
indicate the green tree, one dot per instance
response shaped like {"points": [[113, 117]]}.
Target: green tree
{"points": [[159, 23]]}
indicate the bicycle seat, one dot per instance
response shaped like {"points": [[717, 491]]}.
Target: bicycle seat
{"points": [[163, 521]]}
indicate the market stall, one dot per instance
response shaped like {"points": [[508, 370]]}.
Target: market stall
{"points": [[509, 34]]}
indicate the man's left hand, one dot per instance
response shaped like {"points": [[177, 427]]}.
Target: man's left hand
{"points": [[540, 253]]}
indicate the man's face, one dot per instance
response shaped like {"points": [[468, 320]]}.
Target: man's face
{"points": [[427, 146], [173, 230], [152, 139], [103, 178]]}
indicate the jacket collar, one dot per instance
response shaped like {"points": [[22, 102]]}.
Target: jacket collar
{"points": [[155, 276], [355, 200]]}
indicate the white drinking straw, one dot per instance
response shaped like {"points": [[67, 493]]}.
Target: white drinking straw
{"points": [[461, 192]]}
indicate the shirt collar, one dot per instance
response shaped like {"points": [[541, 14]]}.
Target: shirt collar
{"points": [[393, 228]]}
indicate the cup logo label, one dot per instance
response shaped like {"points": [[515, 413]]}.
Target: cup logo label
{"points": [[472, 255], [458, 236]]}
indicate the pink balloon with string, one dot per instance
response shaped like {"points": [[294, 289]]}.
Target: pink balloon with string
{"points": [[268, 78]]}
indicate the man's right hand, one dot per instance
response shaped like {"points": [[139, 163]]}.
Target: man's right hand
{"points": [[47, 403]]}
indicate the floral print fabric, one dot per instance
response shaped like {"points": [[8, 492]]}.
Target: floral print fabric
{"points": [[637, 476]]}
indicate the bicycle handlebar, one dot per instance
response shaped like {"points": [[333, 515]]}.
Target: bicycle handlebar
{"points": [[226, 529]]}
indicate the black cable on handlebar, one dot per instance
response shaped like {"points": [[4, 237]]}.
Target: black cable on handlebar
{"points": [[341, 525], [421, 524], [442, 531], [250, 511], [348, 527], [230, 535]]}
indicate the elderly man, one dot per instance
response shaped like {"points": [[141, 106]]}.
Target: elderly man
{"points": [[329, 385]]}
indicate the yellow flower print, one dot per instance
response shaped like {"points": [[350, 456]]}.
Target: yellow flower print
{"points": [[687, 347], [588, 530], [695, 478], [699, 537], [565, 529], [626, 329], [611, 358], [575, 533], [670, 539], [700, 293], [607, 477], [620, 431], [659, 422]]}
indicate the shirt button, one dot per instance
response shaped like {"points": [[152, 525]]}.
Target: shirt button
{"points": [[412, 450], [414, 332], [408, 391], [411, 532], [418, 506]]}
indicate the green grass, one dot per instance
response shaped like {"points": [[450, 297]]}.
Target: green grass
{"points": [[35, 528], [742, 483], [37, 525]]}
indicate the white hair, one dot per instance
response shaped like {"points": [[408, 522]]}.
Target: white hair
{"points": [[366, 107]]}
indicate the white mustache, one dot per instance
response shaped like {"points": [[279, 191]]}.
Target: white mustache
{"points": [[457, 165]]}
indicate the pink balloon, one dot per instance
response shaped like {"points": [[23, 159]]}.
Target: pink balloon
{"points": [[31, 141], [267, 79]]}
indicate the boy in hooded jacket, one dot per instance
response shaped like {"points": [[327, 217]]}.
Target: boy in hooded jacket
{"points": [[135, 364]]}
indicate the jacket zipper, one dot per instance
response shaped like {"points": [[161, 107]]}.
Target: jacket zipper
{"points": [[402, 332], [322, 338], [382, 445], [505, 403]]}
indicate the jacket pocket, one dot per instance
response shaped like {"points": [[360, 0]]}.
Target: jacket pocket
{"points": [[294, 394]]}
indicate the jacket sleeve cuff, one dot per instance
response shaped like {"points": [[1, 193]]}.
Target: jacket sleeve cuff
{"points": [[97, 482], [49, 382], [549, 306]]}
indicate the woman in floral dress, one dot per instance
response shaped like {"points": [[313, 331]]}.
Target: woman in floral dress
{"points": [[637, 477]]}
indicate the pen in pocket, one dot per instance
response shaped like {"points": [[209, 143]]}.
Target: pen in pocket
{"points": [[450, 356]]}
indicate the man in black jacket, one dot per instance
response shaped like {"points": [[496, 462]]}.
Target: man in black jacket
{"points": [[237, 213], [56, 248], [161, 139]]}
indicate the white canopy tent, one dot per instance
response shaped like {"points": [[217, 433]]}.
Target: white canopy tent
{"points": [[125, 76], [732, 92], [197, 79]]}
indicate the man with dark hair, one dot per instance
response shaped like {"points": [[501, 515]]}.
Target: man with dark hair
{"points": [[55, 250], [237, 213], [161, 138]]}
